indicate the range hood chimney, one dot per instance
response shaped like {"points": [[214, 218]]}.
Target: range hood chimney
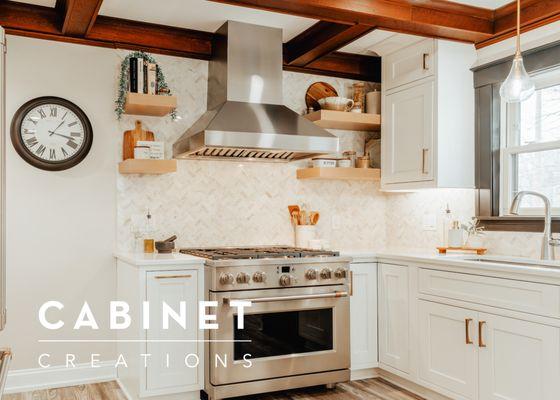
{"points": [[246, 118]]}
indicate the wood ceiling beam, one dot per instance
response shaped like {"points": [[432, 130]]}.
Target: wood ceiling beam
{"points": [[434, 18], [343, 65], [319, 40], [153, 38], [534, 14], [78, 16]]}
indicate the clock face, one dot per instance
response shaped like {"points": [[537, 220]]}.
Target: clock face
{"points": [[51, 133]]}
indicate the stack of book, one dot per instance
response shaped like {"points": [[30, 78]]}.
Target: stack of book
{"points": [[142, 76]]}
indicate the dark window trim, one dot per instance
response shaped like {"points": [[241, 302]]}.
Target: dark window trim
{"points": [[487, 81]]}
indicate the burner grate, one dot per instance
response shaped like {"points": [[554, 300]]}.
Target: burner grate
{"points": [[240, 253]]}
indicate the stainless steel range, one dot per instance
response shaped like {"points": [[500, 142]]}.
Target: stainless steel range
{"points": [[296, 332]]}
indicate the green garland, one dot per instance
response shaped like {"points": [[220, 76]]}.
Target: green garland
{"points": [[124, 84]]}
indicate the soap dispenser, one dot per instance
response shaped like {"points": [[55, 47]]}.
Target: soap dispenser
{"points": [[455, 238], [446, 220]]}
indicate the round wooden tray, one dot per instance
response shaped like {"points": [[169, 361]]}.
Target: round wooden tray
{"points": [[317, 91]]}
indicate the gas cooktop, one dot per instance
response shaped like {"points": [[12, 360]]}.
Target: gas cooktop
{"points": [[242, 253]]}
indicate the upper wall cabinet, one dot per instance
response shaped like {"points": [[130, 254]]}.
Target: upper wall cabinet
{"points": [[408, 65], [427, 119]]}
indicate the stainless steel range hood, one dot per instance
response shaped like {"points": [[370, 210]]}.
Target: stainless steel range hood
{"points": [[246, 117]]}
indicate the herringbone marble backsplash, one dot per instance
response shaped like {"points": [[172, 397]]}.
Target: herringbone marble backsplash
{"points": [[216, 203]]}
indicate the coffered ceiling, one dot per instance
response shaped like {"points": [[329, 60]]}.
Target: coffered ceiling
{"points": [[333, 37]]}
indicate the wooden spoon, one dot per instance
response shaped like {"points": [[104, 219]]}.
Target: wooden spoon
{"points": [[314, 217]]}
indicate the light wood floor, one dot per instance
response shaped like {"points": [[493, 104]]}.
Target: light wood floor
{"points": [[370, 389]]}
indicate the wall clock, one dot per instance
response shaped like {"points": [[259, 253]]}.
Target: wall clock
{"points": [[51, 133]]}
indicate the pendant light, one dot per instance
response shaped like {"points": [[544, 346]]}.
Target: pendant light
{"points": [[518, 85]]}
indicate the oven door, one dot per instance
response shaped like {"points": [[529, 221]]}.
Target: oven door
{"points": [[286, 332]]}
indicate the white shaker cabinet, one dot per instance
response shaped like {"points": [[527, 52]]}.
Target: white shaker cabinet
{"points": [[162, 363], [521, 359], [363, 316], [447, 348], [394, 297], [172, 287], [427, 132], [408, 135], [410, 64]]}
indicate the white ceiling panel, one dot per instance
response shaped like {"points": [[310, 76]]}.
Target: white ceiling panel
{"points": [[492, 4], [380, 42], [201, 15], [46, 3]]}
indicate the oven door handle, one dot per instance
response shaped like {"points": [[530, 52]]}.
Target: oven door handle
{"points": [[333, 295]]}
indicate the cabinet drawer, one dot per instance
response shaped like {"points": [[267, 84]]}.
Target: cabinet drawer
{"points": [[409, 64], [535, 298]]}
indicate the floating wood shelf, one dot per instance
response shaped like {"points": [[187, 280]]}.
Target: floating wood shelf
{"points": [[357, 174], [150, 167], [149, 104], [345, 120]]}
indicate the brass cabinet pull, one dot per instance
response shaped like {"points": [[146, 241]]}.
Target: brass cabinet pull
{"points": [[351, 289], [424, 61], [480, 338], [173, 276], [424, 151], [468, 339]]}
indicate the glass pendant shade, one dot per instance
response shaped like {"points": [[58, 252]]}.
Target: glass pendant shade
{"points": [[518, 86]]}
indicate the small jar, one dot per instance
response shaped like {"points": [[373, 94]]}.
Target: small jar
{"points": [[351, 155], [344, 163], [362, 162]]}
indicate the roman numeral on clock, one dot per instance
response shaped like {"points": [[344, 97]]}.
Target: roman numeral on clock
{"points": [[31, 141], [72, 123], [64, 152], [72, 144], [53, 111], [42, 113], [52, 154], [40, 150]]}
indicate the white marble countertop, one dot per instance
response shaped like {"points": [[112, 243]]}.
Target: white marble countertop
{"points": [[463, 262], [154, 259]]}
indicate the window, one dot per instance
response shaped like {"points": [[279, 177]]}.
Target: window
{"points": [[530, 147]]}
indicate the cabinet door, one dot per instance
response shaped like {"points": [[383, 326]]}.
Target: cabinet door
{"points": [[166, 366], [409, 64], [447, 356], [521, 360], [394, 343], [408, 135], [363, 316]]}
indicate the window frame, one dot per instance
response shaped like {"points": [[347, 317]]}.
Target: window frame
{"points": [[508, 135], [488, 121]]}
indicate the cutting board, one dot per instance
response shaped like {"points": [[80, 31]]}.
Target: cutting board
{"points": [[132, 137], [317, 91]]}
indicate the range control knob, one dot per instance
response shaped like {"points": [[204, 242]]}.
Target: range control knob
{"points": [[340, 273], [287, 280], [311, 274], [259, 277], [242, 277], [226, 279], [326, 273]]}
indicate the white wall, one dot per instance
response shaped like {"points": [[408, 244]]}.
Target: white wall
{"points": [[60, 225]]}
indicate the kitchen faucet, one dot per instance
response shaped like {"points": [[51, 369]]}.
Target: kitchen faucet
{"points": [[548, 244]]}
